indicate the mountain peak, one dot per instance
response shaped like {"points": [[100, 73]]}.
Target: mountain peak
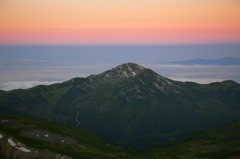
{"points": [[125, 70], [129, 69]]}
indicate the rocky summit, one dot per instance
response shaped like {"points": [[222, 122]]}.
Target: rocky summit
{"points": [[120, 72]]}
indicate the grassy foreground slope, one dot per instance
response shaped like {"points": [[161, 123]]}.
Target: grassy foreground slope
{"points": [[222, 142], [47, 139]]}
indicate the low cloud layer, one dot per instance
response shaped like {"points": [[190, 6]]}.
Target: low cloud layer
{"points": [[203, 74], [26, 74], [24, 84], [22, 74]]}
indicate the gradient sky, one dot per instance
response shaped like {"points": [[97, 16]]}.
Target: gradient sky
{"points": [[119, 22], [43, 42]]}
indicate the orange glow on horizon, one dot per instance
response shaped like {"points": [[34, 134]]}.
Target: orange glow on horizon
{"points": [[119, 35], [125, 22]]}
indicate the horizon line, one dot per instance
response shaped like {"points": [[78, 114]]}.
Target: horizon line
{"points": [[144, 44]]}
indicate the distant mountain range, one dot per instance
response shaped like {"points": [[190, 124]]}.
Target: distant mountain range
{"points": [[130, 104], [228, 61]]}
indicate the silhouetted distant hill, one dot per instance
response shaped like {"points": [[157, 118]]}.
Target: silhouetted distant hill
{"points": [[228, 61]]}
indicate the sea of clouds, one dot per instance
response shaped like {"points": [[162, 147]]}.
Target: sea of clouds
{"points": [[23, 74]]}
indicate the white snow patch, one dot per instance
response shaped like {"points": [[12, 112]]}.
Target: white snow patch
{"points": [[62, 140], [46, 135], [129, 68], [133, 73], [1, 136], [168, 82], [62, 158], [4, 121], [13, 144], [161, 88], [23, 149], [125, 73], [10, 141]]}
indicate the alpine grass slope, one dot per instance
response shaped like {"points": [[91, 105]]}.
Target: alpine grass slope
{"points": [[28, 138], [23, 137]]}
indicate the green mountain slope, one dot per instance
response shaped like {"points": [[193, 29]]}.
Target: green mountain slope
{"points": [[220, 142], [45, 139], [130, 104], [35, 138]]}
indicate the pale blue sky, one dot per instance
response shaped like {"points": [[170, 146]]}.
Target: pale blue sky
{"points": [[154, 53]]}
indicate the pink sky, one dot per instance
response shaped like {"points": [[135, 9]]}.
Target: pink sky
{"points": [[119, 22]]}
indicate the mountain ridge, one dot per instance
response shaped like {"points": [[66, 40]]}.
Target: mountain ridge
{"points": [[128, 107]]}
